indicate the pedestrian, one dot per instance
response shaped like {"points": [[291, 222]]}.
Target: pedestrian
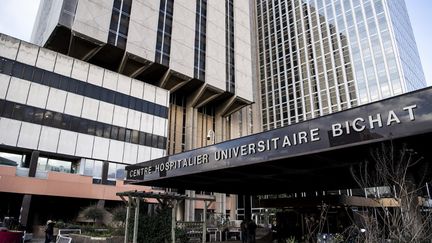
{"points": [[251, 227], [49, 231], [243, 232]]}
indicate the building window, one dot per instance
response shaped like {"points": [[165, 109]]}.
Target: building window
{"points": [[115, 171], [43, 117], [17, 160], [200, 39], [48, 164], [119, 23], [163, 41], [229, 43]]}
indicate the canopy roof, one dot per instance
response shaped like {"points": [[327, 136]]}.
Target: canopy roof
{"points": [[317, 154]]}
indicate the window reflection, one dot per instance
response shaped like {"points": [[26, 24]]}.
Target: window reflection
{"points": [[12, 159], [64, 166]]}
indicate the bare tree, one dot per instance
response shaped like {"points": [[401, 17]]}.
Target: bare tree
{"points": [[315, 226], [400, 215]]}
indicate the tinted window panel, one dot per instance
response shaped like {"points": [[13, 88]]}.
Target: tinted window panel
{"points": [[142, 137], [114, 132], [28, 73], [7, 67], [121, 134], [38, 76], [107, 131]]}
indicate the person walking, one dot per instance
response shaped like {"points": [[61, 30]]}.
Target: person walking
{"points": [[251, 228], [49, 231], [243, 228]]}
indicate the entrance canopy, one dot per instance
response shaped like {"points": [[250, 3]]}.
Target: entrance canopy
{"points": [[317, 154]]}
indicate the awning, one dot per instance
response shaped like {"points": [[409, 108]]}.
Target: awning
{"points": [[317, 154]]}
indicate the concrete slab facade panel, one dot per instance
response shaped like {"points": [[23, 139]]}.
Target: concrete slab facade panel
{"points": [[242, 47], [162, 96], [4, 84], [8, 46], [95, 75], [74, 104], [124, 84], [63, 65], [56, 100], [84, 146], [130, 154], [93, 18], [143, 29], [27, 53], [80, 70], [38, 95], [110, 80], [116, 149], [100, 148], [147, 123], [120, 116], [133, 119], [106, 111], [46, 59], [149, 92], [137, 89], [160, 126], [90, 108], [157, 153], [215, 44], [10, 131], [67, 142], [48, 140], [143, 153], [183, 37], [18, 90], [29, 135], [47, 19]]}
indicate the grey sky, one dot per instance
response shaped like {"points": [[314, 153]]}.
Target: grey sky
{"points": [[17, 17]]}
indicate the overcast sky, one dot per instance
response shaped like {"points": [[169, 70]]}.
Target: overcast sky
{"points": [[17, 17]]}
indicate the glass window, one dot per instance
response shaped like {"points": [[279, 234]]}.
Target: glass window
{"points": [[97, 169], [60, 166], [88, 167], [42, 164], [120, 172], [112, 171], [12, 159]]}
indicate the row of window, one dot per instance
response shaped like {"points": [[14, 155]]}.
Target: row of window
{"points": [[48, 118], [54, 80], [229, 43], [200, 39], [85, 167], [163, 40], [119, 25]]}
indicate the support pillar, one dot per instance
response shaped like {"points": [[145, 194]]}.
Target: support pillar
{"points": [[34, 157], [128, 209], [247, 206], [204, 222], [173, 220], [136, 220], [25, 209]]}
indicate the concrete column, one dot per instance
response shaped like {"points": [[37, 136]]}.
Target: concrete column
{"points": [[191, 125], [233, 206], [136, 220], [220, 204], [24, 212], [128, 212], [33, 163], [247, 206], [173, 221], [105, 173], [189, 210]]}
